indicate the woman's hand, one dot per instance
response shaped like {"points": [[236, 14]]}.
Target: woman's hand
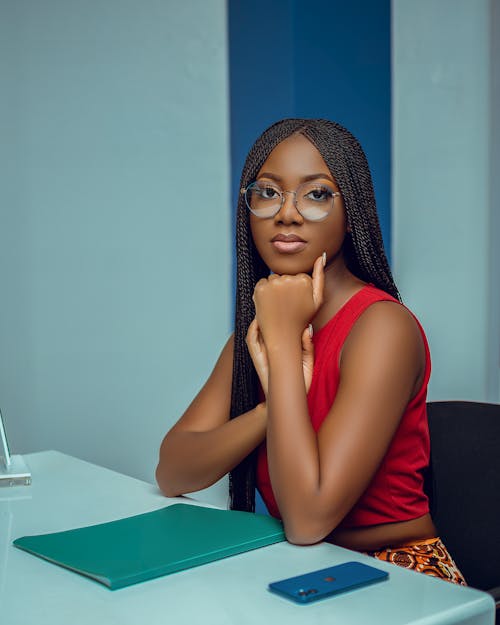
{"points": [[258, 353], [284, 305], [307, 357]]}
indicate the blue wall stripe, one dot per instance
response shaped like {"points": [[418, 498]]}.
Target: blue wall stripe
{"points": [[260, 55], [342, 71], [326, 58]]}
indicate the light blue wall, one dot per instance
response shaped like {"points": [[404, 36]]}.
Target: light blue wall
{"points": [[445, 186], [115, 233], [115, 248], [493, 380]]}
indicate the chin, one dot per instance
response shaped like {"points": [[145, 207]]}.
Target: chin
{"points": [[289, 264]]}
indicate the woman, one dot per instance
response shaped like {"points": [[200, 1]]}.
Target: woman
{"points": [[319, 397]]}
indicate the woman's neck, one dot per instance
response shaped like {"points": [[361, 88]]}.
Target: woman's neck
{"points": [[340, 286]]}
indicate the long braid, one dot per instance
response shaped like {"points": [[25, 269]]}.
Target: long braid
{"points": [[344, 157], [249, 270], [363, 251]]}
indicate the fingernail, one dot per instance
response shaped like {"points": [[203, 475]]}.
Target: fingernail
{"points": [[310, 330], [324, 259]]}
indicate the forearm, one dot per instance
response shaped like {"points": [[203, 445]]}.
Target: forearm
{"points": [[192, 460], [292, 444]]}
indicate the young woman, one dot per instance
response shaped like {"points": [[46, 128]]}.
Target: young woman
{"points": [[318, 398]]}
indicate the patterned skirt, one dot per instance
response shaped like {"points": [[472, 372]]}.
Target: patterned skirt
{"points": [[426, 556]]}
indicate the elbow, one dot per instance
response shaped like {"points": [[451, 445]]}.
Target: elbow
{"points": [[306, 532], [165, 473], [164, 483], [302, 540], [311, 527]]}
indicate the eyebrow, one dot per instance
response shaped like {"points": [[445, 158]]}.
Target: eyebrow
{"points": [[304, 179]]}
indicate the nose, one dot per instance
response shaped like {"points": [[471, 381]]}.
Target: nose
{"points": [[288, 213]]}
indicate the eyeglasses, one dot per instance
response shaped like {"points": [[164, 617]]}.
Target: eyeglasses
{"points": [[312, 200]]}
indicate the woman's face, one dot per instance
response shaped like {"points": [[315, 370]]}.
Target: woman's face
{"points": [[288, 243]]}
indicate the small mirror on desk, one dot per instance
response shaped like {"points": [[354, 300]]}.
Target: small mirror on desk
{"points": [[13, 469]]}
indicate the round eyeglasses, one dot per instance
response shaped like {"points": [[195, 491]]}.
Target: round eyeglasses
{"points": [[312, 200]]}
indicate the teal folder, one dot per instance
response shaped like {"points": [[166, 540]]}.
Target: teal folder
{"points": [[138, 548]]}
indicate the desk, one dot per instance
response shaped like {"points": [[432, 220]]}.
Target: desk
{"points": [[68, 493]]}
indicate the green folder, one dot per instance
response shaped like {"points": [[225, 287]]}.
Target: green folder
{"points": [[156, 543]]}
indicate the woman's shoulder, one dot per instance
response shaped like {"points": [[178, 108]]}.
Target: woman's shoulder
{"points": [[228, 349], [388, 315], [386, 329], [353, 303], [376, 309]]}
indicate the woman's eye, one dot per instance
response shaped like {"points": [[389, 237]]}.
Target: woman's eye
{"points": [[320, 194], [268, 193]]}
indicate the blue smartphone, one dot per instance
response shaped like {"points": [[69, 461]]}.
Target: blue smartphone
{"points": [[326, 582]]}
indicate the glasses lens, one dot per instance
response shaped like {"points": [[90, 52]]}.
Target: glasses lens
{"points": [[263, 199], [314, 201]]}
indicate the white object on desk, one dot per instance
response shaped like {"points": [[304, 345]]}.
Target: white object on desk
{"points": [[13, 469], [68, 493]]}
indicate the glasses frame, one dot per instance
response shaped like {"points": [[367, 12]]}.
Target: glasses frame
{"points": [[243, 191]]}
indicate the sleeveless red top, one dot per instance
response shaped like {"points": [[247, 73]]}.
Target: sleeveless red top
{"points": [[396, 490]]}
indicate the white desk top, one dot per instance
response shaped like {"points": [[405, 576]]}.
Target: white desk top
{"points": [[68, 493]]}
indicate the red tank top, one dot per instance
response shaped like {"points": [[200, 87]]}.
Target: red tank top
{"points": [[396, 490]]}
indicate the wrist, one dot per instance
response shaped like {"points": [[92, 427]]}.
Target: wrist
{"points": [[289, 346], [281, 330]]}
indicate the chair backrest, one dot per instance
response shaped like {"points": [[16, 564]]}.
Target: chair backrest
{"points": [[463, 484]]}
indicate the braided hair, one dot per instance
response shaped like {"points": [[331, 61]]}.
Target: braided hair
{"points": [[363, 252]]}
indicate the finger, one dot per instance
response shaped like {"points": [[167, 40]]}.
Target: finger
{"points": [[318, 281], [307, 343], [260, 285], [258, 288], [252, 334]]}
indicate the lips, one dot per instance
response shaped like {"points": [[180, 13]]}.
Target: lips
{"points": [[288, 243]]}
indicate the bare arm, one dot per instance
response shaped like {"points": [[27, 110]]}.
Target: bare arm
{"points": [[317, 478], [205, 444]]}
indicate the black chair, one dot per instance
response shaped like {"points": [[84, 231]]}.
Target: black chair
{"points": [[463, 484]]}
